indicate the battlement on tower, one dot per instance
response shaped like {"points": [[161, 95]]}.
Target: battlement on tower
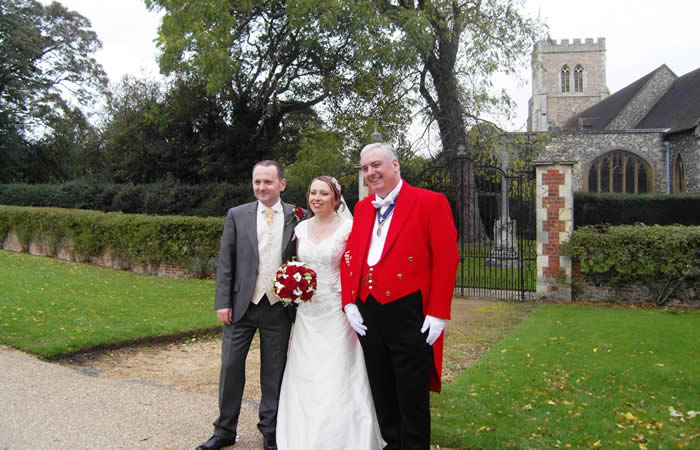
{"points": [[552, 46]]}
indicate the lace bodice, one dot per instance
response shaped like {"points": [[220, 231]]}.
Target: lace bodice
{"points": [[324, 258]]}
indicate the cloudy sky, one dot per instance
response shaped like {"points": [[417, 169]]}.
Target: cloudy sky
{"points": [[640, 36]]}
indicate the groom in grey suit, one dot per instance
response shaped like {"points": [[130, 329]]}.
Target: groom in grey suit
{"points": [[256, 240]]}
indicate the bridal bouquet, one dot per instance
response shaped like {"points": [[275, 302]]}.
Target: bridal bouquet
{"points": [[294, 283]]}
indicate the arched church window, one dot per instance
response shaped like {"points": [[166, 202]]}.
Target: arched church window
{"points": [[678, 175], [619, 171], [578, 78], [565, 83]]}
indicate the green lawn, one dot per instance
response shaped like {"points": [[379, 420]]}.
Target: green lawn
{"points": [[51, 307], [575, 376]]}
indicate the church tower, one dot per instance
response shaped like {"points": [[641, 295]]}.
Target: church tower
{"points": [[566, 79]]}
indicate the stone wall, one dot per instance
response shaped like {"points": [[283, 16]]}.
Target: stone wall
{"points": [[548, 105], [65, 252], [688, 146], [630, 293], [584, 147]]}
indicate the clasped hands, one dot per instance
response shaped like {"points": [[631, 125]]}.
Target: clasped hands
{"points": [[433, 325]]}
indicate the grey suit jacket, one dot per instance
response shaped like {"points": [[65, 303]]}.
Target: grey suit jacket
{"points": [[237, 266]]}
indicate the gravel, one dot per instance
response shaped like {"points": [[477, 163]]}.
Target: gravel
{"points": [[50, 406]]}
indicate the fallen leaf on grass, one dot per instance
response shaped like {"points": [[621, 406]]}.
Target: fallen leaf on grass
{"points": [[673, 413], [629, 416]]}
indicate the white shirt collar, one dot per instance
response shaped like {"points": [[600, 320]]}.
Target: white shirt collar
{"points": [[393, 194]]}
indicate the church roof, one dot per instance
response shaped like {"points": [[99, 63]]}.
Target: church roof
{"points": [[599, 116], [679, 108]]}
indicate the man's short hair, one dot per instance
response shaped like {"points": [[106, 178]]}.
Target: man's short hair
{"points": [[271, 163], [387, 148]]}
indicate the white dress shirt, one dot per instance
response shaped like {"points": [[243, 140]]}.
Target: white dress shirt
{"points": [[376, 247]]}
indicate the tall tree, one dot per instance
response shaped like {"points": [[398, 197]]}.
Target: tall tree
{"points": [[271, 59], [46, 62], [460, 45]]}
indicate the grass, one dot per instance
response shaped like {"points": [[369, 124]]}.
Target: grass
{"points": [[568, 376], [573, 376], [479, 275], [473, 272], [50, 307]]}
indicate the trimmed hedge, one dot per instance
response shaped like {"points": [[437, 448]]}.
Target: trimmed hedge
{"points": [[210, 200], [189, 242], [207, 200], [627, 209], [663, 258]]}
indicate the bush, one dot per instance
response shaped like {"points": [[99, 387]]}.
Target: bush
{"points": [[210, 200], [662, 258], [627, 209], [190, 242]]}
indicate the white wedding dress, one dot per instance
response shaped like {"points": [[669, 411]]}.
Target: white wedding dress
{"points": [[325, 401]]}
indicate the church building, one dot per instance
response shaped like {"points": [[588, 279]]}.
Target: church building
{"points": [[645, 138]]}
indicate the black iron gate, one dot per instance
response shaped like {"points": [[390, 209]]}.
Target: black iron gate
{"points": [[494, 212]]}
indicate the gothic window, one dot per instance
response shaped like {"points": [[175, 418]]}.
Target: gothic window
{"points": [[678, 175], [619, 171], [578, 78], [565, 83]]}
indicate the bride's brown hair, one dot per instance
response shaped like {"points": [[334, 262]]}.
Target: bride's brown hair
{"points": [[335, 189]]}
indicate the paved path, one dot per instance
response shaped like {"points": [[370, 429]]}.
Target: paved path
{"points": [[49, 406]]}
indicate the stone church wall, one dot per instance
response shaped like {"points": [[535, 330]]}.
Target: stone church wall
{"points": [[548, 104], [688, 146], [584, 147]]}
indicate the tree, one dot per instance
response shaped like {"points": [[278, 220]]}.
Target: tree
{"points": [[69, 149], [362, 63], [459, 45], [46, 58], [268, 60], [12, 150]]}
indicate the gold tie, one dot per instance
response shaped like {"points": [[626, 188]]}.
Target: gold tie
{"points": [[269, 213]]}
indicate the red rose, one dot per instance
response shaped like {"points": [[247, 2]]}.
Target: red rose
{"points": [[294, 283], [303, 285], [290, 283], [298, 213]]}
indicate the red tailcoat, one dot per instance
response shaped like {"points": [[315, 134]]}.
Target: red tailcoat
{"points": [[420, 254]]}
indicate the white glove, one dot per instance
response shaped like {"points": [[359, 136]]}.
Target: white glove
{"points": [[435, 327], [355, 318]]}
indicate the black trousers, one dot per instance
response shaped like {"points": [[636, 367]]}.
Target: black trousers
{"points": [[274, 325], [398, 363]]}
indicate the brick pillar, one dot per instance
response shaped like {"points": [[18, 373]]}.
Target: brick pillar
{"points": [[555, 222]]}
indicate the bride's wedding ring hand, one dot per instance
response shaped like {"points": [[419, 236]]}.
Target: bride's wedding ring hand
{"points": [[355, 319], [434, 326], [347, 258]]}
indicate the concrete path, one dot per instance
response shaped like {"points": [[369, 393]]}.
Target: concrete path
{"points": [[49, 406]]}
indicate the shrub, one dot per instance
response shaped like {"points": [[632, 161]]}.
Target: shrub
{"points": [[190, 242], [627, 209], [659, 257], [210, 200]]}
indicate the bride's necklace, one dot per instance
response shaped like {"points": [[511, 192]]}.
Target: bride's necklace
{"points": [[382, 217]]}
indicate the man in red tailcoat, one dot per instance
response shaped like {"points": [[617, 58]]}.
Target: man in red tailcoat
{"points": [[398, 278]]}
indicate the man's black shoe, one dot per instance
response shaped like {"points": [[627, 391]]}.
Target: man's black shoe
{"points": [[270, 441], [216, 442]]}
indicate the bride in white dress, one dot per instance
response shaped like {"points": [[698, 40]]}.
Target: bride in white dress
{"points": [[325, 401]]}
